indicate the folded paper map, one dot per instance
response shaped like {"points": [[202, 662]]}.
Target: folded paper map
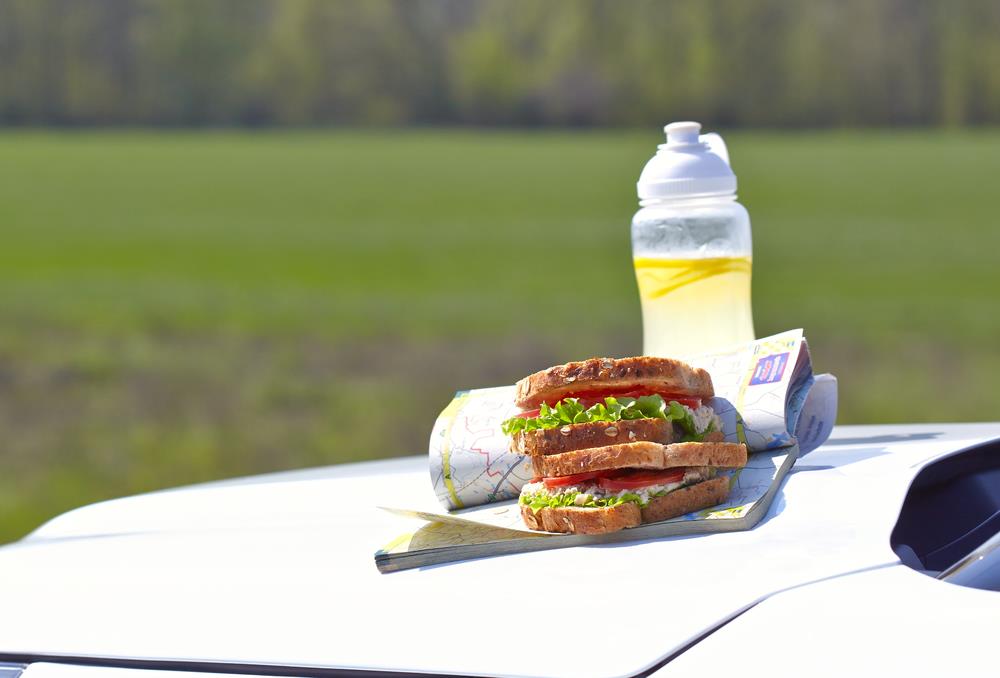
{"points": [[766, 396], [496, 529]]}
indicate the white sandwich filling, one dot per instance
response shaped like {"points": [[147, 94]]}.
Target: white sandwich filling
{"points": [[705, 419], [591, 494]]}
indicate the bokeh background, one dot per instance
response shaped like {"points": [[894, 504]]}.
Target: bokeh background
{"points": [[242, 236]]}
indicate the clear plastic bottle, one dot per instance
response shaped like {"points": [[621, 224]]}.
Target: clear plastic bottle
{"points": [[691, 247]]}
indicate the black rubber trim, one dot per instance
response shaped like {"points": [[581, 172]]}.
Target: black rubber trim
{"points": [[951, 507], [220, 667]]}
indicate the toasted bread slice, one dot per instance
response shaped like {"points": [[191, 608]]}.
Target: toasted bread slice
{"points": [[602, 520], [663, 375], [640, 455], [593, 434], [691, 498], [582, 520]]}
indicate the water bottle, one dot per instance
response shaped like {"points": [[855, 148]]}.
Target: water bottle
{"points": [[691, 247]]}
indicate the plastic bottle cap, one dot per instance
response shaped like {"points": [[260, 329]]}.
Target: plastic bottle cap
{"points": [[690, 164], [683, 133]]}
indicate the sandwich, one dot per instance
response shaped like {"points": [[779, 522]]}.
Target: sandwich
{"points": [[616, 443]]}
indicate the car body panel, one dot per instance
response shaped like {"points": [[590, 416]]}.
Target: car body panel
{"points": [[279, 571], [888, 621]]}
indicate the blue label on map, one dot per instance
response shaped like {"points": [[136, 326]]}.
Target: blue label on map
{"points": [[769, 369]]}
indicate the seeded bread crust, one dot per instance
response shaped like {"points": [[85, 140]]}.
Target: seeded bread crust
{"points": [[642, 454], [656, 374], [691, 498], [582, 520], [593, 434], [577, 520]]}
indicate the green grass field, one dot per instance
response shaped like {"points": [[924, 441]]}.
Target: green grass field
{"points": [[177, 307]]}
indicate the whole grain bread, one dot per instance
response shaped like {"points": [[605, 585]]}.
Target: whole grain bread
{"points": [[642, 454], [578, 520], [655, 374], [592, 434], [594, 520], [691, 498]]}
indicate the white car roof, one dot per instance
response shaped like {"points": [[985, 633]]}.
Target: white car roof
{"points": [[279, 571]]}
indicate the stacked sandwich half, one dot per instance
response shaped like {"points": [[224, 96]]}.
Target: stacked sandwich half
{"points": [[617, 443]]}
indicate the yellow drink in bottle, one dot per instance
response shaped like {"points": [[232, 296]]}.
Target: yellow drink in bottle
{"points": [[693, 305], [692, 248]]}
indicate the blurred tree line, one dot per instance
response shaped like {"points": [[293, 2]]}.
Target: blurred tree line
{"points": [[523, 62]]}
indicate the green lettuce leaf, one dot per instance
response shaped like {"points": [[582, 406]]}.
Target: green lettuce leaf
{"points": [[539, 501], [542, 499], [570, 411]]}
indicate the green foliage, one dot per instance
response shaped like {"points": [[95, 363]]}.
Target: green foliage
{"points": [[379, 62]]}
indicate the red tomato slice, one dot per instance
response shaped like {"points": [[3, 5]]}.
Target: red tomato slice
{"points": [[528, 414], [564, 481], [635, 478], [693, 403]]}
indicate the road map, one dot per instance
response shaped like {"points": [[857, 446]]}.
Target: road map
{"points": [[496, 528], [766, 395]]}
